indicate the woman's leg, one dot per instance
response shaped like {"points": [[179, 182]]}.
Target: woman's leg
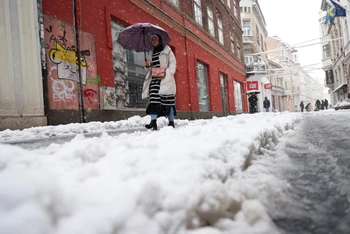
{"points": [[171, 116], [153, 123]]}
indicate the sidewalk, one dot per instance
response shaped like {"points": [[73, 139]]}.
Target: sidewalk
{"points": [[63, 133]]}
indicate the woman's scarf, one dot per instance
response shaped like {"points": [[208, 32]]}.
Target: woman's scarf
{"points": [[158, 48]]}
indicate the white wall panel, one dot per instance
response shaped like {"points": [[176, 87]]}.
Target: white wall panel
{"points": [[7, 91], [30, 49]]}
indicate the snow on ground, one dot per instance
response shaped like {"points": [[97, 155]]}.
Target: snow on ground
{"points": [[76, 128], [345, 104], [205, 177]]}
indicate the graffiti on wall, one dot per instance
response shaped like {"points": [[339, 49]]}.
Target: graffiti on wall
{"points": [[120, 75], [67, 64], [120, 69], [108, 98], [63, 80]]}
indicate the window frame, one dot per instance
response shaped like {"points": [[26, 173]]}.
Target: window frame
{"points": [[174, 2], [220, 31], [326, 51], [198, 13], [233, 42], [238, 95], [205, 85], [211, 21], [247, 29]]}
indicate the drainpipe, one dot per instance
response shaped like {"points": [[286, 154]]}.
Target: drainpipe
{"points": [[189, 80], [44, 73], [76, 22]]}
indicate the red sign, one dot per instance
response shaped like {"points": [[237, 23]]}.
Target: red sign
{"points": [[252, 85], [268, 86]]}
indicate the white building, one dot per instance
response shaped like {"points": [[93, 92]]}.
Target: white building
{"points": [[288, 76], [21, 99], [254, 44], [336, 53], [275, 75]]}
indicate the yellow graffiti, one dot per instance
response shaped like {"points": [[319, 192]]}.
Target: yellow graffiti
{"points": [[67, 63], [61, 54]]}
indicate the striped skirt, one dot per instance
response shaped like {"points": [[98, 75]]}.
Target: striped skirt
{"points": [[159, 104]]}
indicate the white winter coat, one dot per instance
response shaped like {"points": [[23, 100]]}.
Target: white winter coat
{"points": [[167, 85]]}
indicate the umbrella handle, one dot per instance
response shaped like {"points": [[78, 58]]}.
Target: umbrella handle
{"points": [[144, 44]]}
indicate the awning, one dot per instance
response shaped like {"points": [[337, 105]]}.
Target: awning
{"points": [[339, 87]]}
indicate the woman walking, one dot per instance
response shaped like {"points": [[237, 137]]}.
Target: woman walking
{"points": [[160, 87]]}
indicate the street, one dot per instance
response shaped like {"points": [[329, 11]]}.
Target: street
{"points": [[319, 195], [254, 172]]}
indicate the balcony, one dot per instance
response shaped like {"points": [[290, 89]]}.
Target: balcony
{"points": [[329, 79], [256, 68], [277, 88], [327, 63]]}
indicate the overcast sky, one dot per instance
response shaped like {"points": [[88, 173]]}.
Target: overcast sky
{"points": [[295, 21]]}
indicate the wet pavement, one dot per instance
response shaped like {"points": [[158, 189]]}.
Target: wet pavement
{"points": [[319, 193]]}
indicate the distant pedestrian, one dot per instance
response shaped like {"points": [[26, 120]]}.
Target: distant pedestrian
{"points": [[326, 104], [302, 106], [267, 104], [253, 101], [307, 107], [322, 105], [318, 105]]}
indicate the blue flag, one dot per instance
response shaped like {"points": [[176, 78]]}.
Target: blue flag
{"points": [[330, 14], [340, 11]]}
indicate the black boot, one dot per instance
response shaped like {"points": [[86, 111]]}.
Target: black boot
{"points": [[171, 123], [152, 124]]}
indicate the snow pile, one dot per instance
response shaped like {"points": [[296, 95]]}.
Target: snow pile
{"points": [[345, 104], [207, 177]]}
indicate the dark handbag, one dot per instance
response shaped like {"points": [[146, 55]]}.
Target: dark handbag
{"points": [[158, 72]]}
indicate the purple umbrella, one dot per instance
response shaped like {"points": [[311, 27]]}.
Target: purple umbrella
{"points": [[137, 37]]}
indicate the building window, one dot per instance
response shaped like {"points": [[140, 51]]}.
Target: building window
{"points": [[284, 54], [211, 22], [238, 96], [128, 73], [296, 59], [232, 39], [246, 28], [239, 54], [202, 83], [220, 32], [229, 3], [257, 35], [175, 2], [235, 9], [224, 94], [248, 59], [262, 42], [198, 12]]}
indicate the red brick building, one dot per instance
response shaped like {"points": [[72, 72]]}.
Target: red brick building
{"points": [[206, 38]]}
